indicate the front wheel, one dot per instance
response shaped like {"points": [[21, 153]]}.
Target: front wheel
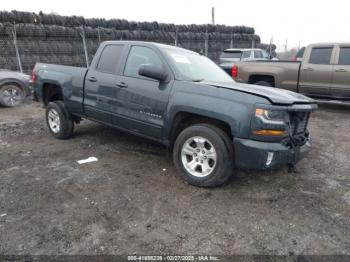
{"points": [[203, 155], [59, 120]]}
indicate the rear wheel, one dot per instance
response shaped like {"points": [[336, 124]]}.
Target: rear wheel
{"points": [[59, 120], [11, 95], [263, 83], [203, 155]]}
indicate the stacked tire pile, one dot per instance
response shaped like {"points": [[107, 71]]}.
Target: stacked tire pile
{"points": [[51, 38]]}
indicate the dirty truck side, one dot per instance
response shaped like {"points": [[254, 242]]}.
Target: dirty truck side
{"points": [[183, 100]]}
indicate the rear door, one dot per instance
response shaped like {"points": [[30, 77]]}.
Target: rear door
{"points": [[100, 84], [341, 75], [142, 101], [316, 71]]}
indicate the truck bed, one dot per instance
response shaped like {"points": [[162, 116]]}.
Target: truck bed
{"points": [[285, 73], [70, 78], [77, 74]]}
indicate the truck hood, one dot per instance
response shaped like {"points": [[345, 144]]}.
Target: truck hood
{"points": [[274, 95]]}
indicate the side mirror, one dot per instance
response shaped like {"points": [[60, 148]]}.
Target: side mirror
{"points": [[153, 72]]}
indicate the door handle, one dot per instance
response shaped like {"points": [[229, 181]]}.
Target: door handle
{"points": [[92, 79], [122, 85], [340, 70], [308, 69]]}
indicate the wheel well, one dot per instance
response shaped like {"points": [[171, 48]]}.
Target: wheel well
{"points": [[267, 78], [183, 120], [11, 83], [51, 93]]}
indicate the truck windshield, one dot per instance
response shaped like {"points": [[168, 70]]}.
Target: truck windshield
{"points": [[196, 67]]}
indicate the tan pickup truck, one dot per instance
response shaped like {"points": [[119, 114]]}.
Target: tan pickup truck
{"points": [[323, 73]]}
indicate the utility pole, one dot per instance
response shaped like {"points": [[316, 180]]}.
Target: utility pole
{"points": [[14, 35], [82, 34], [213, 15], [271, 41], [286, 48]]}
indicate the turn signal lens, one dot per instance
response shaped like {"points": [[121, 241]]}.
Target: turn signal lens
{"points": [[259, 112], [267, 132]]}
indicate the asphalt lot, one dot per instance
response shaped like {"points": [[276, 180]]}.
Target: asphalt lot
{"points": [[131, 201]]}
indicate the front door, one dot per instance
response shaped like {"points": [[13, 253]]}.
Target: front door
{"points": [[143, 101], [341, 75], [316, 72]]}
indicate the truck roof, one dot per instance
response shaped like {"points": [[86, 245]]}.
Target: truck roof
{"points": [[159, 45], [242, 49], [330, 43]]}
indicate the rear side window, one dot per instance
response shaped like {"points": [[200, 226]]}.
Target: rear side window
{"points": [[139, 56], [321, 55], [231, 54], [110, 58], [246, 54], [344, 56]]}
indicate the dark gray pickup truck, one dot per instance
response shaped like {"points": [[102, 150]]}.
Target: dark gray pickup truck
{"points": [[183, 100]]}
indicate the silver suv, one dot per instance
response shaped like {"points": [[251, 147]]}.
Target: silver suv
{"points": [[235, 55]]}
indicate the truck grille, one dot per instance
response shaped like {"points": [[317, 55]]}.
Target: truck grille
{"points": [[299, 122], [298, 134]]}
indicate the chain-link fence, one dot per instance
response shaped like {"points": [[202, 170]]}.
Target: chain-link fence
{"points": [[27, 38]]}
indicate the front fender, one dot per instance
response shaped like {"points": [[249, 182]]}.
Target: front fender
{"points": [[235, 113]]}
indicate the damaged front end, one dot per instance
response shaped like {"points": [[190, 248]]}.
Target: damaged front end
{"points": [[279, 136]]}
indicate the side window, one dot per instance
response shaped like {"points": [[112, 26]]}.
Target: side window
{"points": [[344, 56], [246, 54], [110, 58], [301, 52], [321, 55], [138, 56], [258, 54]]}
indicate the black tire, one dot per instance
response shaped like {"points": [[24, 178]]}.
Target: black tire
{"points": [[263, 83], [11, 95], [66, 123], [222, 144]]}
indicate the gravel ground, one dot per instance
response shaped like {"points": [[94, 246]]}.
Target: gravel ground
{"points": [[133, 201]]}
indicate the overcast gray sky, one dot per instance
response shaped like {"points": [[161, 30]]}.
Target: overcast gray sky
{"points": [[304, 21]]}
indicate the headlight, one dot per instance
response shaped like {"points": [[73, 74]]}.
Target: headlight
{"points": [[271, 116], [269, 122]]}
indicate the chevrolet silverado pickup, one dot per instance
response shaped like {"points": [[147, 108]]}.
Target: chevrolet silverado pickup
{"points": [[322, 73], [183, 100]]}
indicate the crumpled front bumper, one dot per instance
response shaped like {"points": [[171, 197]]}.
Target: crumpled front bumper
{"points": [[266, 155]]}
